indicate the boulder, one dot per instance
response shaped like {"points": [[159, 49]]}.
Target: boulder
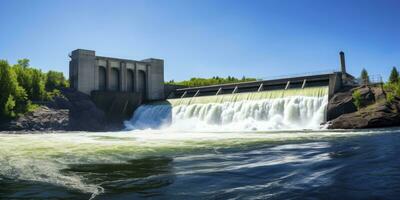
{"points": [[379, 116], [343, 102]]}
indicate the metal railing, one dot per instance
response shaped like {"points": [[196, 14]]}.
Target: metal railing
{"points": [[371, 80], [298, 75]]}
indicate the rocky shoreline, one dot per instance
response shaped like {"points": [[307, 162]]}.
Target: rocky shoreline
{"points": [[375, 110], [73, 111]]}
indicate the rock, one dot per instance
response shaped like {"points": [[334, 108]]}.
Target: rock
{"points": [[342, 102], [42, 119], [84, 115], [375, 112], [74, 111], [363, 119]]}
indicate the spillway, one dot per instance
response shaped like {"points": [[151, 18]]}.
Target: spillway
{"points": [[261, 111]]}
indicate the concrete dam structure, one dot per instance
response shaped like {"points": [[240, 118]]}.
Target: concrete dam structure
{"points": [[333, 80], [118, 86], [122, 87]]}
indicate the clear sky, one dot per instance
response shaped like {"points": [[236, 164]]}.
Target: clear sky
{"points": [[202, 38]]}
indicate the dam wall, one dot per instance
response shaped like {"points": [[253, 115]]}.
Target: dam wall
{"points": [[332, 80], [117, 105]]}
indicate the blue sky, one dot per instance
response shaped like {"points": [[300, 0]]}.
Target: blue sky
{"points": [[204, 38]]}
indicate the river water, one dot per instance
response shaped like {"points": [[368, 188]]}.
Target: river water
{"points": [[267, 145], [201, 165]]}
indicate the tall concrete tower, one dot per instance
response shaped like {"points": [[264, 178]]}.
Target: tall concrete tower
{"points": [[343, 65]]}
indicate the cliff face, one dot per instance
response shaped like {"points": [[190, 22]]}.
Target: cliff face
{"points": [[375, 111], [73, 112]]}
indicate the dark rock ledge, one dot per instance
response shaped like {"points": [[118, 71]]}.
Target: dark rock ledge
{"points": [[375, 110]]}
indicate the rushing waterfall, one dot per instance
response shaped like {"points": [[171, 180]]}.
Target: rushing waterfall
{"points": [[267, 110]]}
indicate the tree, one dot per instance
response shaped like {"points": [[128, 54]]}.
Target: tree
{"points": [[24, 78], [23, 63], [13, 97], [9, 107], [364, 76], [38, 86], [394, 76], [55, 80]]}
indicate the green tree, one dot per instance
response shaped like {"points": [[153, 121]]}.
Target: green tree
{"points": [[38, 85], [13, 97], [55, 80], [23, 63], [24, 78], [364, 76], [394, 76]]}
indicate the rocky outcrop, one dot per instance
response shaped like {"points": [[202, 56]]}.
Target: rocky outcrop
{"points": [[343, 102], [375, 110], [43, 118], [84, 115], [73, 111]]}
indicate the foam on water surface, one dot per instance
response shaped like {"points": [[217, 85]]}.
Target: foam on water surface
{"points": [[267, 110], [44, 157]]}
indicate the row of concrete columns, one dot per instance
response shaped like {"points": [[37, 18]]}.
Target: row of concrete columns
{"points": [[123, 78]]}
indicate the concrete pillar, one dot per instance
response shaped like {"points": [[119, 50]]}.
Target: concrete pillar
{"points": [[148, 83], [135, 79], [342, 63], [122, 75], [96, 75], [108, 76], [155, 74], [82, 70], [335, 83]]}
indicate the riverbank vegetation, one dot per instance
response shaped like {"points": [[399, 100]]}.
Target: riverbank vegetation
{"points": [[21, 86], [195, 82], [392, 87]]}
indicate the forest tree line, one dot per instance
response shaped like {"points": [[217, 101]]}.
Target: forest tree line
{"points": [[196, 82], [22, 85]]}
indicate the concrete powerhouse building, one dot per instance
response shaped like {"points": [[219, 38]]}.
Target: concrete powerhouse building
{"points": [[90, 73]]}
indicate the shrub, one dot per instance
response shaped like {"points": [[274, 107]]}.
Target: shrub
{"points": [[9, 107], [357, 99], [389, 97], [55, 93]]}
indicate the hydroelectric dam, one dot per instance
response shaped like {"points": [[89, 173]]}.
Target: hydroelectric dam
{"points": [[135, 90]]}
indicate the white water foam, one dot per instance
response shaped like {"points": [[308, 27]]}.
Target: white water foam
{"points": [[277, 113]]}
